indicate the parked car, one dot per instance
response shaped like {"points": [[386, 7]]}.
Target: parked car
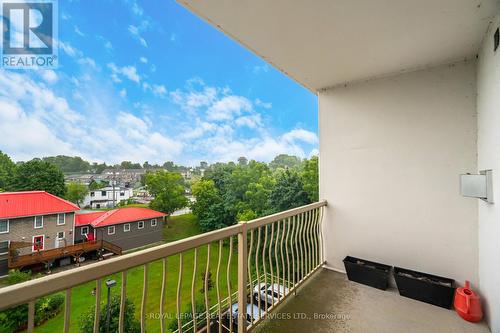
{"points": [[252, 312], [268, 292]]}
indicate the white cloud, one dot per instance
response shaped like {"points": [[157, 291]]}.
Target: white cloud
{"points": [[250, 121], [129, 72], [68, 49], [301, 135], [228, 107], [78, 55], [136, 9], [40, 123], [94, 122], [134, 31], [78, 31], [260, 69], [108, 45], [265, 105], [264, 147], [228, 126], [159, 90], [144, 60], [87, 61], [24, 137], [194, 99], [49, 76], [134, 127]]}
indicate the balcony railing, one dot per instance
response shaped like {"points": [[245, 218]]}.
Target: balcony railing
{"points": [[277, 253]]}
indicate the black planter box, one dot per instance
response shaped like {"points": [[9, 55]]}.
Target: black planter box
{"points": [[367, 272], [424, 287]]}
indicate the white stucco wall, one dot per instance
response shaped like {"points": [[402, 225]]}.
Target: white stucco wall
{"points": [[488, 107], [391, 151]]}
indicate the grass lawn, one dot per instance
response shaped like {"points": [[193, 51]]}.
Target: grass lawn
{"points": [[177, 227]]}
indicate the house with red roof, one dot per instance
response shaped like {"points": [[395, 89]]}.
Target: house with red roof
{"points": [[41, 220], [129, 228]]}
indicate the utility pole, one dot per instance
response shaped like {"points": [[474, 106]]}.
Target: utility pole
{"points": [[114, 184]]}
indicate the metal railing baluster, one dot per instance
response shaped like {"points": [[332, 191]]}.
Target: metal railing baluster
{"points": [[144, 298]]}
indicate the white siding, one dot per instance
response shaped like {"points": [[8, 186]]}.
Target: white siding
{"points": [[391, 151], [488, 106]]}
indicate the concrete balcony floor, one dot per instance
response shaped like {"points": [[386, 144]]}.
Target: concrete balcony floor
{"points": [[354, 308]]}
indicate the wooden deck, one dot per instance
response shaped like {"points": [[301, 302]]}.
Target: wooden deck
{"points": [[75, 251]]}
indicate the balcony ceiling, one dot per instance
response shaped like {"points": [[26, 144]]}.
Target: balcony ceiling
{"points": [[323, 43]]}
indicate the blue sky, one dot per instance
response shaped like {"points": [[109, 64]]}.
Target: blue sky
{"points": [[149, 81]]}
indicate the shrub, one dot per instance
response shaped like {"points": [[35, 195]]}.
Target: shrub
{"points": [[187, 316], [16, 276], [16, 318], [131, 324]]}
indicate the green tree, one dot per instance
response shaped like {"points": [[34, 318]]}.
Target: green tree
{"points": [[310, 178], [98, 168], [68, 163], [169, 166], [76, 192], [285, 161], [7, 172], [131, 324], [39, 175], [167, 189], [209, 206], [130, 165], [289, 192], [246, 215]]}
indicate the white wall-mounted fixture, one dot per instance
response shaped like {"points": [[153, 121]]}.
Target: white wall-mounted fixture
{"points": [[477, 186]]}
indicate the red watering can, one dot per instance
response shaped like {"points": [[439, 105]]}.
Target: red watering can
{"points": [[468, 304]]}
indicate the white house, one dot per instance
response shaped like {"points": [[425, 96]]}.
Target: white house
{"points": [[107, 197]]}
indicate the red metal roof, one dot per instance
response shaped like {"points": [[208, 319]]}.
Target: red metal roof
{"points": [[30, 203], [117, 216], [86, 218]]}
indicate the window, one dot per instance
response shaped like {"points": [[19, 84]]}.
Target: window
{"points": [[92, 194], [111, 230], [38, 222], [126, 227], [140, 224], [61, 219], [84, 231], [60, 235], [4, 226], [4, 247], [103, 193], [122, 194], [153, 223]]}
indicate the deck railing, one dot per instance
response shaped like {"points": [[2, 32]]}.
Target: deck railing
{"points": [[276, 253]]}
